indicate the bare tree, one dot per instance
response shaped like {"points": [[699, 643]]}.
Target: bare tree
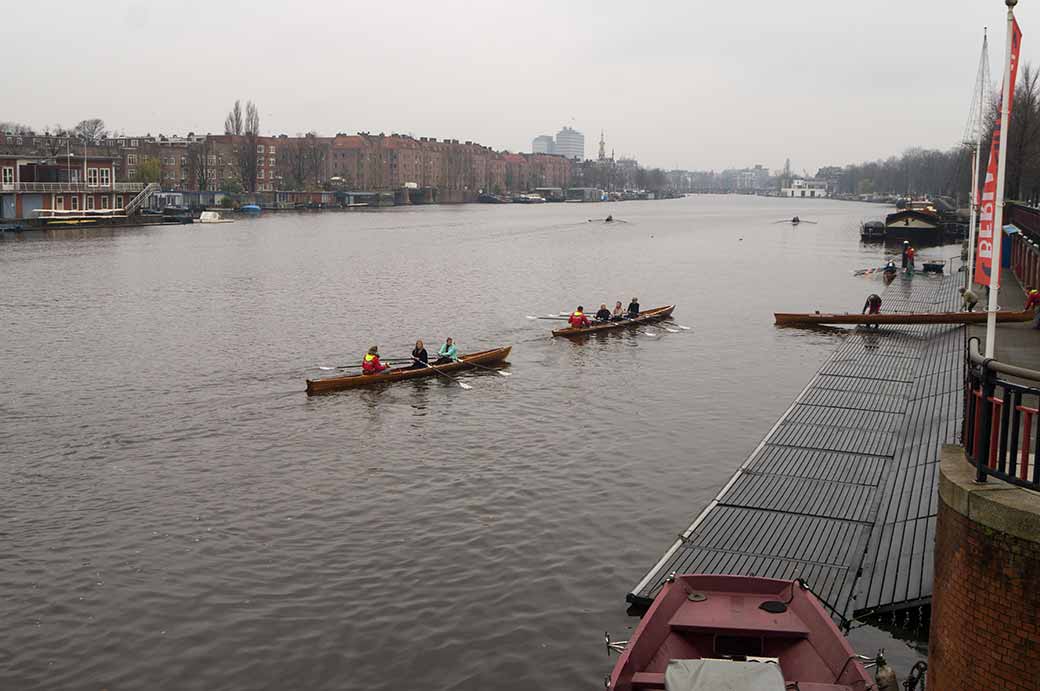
{"points": [[233, 122], [15, 128], [198, 164], [302, 161], [246, 153], [1023, 164], [92, 131], [56, 141]]}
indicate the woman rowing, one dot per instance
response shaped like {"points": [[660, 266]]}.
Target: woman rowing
{"points": [[448, 353], [371, 363], [633, 308], [619, 312], [603, 315], [420, 358]]}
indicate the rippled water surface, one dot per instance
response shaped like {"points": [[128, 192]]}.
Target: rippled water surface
{"points": [[177, 513]]}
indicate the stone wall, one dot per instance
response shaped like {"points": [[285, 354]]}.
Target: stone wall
{"points": [[985, 628]]}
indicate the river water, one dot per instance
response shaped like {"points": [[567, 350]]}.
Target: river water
{"points": [[175, 512]]}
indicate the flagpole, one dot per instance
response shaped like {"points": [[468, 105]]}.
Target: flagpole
{"points": [[973, 198], [998, 211]]}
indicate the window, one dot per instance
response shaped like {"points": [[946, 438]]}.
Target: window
{"points": [[212, 160], [106, 176], [92, 177], [270, 149], [184, 160], [89, 199], [270, 162], [75, 203], [259, 148], [131, 173], [131, 159], [133, 143], [75, 177], [122, 142], [59, 202], [17, 140], [8, 178], [104, 202], [260, 174], [119, 202]]}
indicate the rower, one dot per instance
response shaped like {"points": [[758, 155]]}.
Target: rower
{"points": [[371, 363], [448, 353], [890, 270], [603, 315], [619, 312], [578, 318], [796, 220], [420, 358], [872, 305], [633, 308], [610, 218]]}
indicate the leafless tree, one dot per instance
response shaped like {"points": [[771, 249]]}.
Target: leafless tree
{"points": [[56, 141], [246, 153], [198, 164], [1023, 163], [302, 161], [91, 131], [233, 122]]}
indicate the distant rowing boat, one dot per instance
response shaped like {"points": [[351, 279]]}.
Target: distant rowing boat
{"points": [[351, 381], [793, 319], [645, 317]]}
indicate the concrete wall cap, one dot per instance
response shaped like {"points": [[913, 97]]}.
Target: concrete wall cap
{"points": [[995, 504]]}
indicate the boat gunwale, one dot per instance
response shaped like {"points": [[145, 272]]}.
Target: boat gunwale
{"points": [[644, 317], [818, 318], [351, 381]]}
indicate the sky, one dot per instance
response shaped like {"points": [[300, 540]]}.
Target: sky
{"points": [[675, 84]]}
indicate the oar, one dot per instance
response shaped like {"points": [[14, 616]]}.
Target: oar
{"points": [[444, 374], [556, 318], [394, 361], [490, 369]]}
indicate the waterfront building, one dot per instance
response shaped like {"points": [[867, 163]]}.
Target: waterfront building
{"points": [[805, 188], [570, 143], [543, 144], [64, 183]]}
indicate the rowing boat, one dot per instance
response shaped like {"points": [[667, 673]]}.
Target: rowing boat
{"points": [[350, 381], [792, 319], [645, 317]]}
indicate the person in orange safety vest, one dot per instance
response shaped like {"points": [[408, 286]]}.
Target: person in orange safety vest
{"points": [[371, 363], [578, 318]]}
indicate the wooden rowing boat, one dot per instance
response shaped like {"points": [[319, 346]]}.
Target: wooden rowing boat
{"points": [[645, 317], [351, 381], [737, 632], [792, 319]]}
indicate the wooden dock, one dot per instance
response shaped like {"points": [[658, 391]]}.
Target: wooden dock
{"points": [[842, 490]]}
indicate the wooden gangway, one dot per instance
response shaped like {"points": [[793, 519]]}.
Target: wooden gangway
{"points": [[842, 491]]}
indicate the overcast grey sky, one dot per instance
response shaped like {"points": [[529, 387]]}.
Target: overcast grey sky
{"points": [[690, 84]]}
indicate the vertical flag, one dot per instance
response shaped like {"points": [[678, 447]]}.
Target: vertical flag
{"points": [[987, 233]]}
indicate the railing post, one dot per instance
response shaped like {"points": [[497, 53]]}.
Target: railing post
{"points": [[982, 447]]}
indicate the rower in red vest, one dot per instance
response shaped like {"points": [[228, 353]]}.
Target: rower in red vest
{"points": [[578, 318], [371, 363]]}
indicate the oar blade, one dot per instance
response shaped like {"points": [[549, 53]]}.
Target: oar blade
{"points": [[465, 385]]}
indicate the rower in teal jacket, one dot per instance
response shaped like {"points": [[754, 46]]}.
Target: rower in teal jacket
{"points": [[447, 353]]}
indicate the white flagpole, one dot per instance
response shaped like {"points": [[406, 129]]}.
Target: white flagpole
{"points": [[973, 198], [998, 211]]}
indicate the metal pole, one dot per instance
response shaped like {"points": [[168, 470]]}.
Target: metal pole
{"points": [[998, 211]]}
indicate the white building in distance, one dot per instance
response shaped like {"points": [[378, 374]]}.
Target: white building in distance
{"points": [[570, 143], [543, 144], [805, 188]]}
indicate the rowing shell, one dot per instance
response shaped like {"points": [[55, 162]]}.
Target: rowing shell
{"points": [[645, 317], [350, 381], [790, 319]]}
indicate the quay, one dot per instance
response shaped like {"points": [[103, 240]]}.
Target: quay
{"points": [[842, 491]]}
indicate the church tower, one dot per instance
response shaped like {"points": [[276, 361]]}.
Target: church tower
{"points": [[602, 147]]}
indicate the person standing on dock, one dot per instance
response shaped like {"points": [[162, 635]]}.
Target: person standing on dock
{"points": [[448, 353], [371, 363], [968, 299], [1032, 303], [906, 246], [578, 319], [910, 254], [872, 305]]}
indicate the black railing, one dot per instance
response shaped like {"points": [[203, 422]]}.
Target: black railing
{"points": [[1000, 433]]}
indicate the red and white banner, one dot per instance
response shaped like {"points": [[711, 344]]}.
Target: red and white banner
{"points": [[988, 201]]}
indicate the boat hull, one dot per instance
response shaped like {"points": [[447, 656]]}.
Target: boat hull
{"points": [[352, 381], [645, 317], [714, 618], [793, 319]]}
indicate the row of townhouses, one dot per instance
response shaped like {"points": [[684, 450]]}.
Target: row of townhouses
{"points": [[63, 173]]}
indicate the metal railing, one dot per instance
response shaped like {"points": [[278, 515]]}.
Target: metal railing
{"points": [[141, 198], [73, 187], [1001, 433]]}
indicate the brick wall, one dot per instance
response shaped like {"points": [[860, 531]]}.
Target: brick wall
{"points": [[985, 629]]}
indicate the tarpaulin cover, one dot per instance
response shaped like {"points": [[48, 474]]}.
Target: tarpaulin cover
{"points": [[722, 675]]}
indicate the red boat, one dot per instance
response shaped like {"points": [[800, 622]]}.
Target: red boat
{"points": [[740, 632]]}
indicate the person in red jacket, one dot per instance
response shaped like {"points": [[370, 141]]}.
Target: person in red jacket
{"points": [[911, 253], [1033, 303], [371, 363], [578, 318]]}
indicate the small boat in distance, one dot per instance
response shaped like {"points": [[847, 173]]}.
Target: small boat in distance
{"points": [[815, 318], [488, 198], [872, 230], [645, 317], [351, 381], [212, 217], [251, 209], [737, 632]]}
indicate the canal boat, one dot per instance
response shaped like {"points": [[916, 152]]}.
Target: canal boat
{"points": [[251, 209], [737, 632], [351, 381], [872, 230], [645, 317], [795, 319]]}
